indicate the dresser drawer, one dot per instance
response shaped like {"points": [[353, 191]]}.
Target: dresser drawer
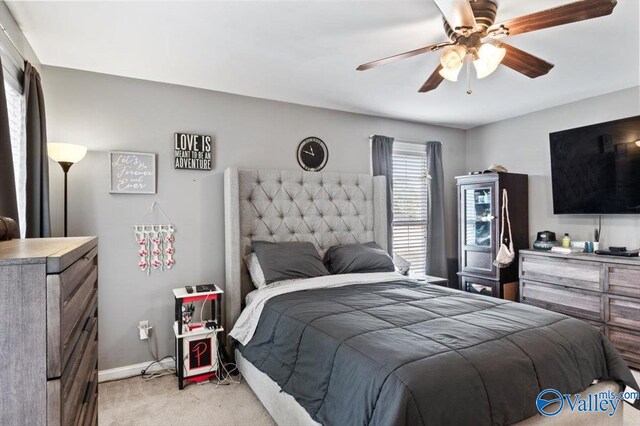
{"points": [[623, 311], [70, 297], [570, 273], [66, 395], [89, 402], [570, 301], [624, 280], [627, 342]]}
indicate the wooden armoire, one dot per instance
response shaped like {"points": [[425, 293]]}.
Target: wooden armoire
{"points": [[479, 222]]}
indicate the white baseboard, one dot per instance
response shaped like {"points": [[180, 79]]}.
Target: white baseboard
{"points": [[131, 370]]}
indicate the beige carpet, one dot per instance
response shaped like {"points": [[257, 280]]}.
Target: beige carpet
{"points": [[159, 402]]}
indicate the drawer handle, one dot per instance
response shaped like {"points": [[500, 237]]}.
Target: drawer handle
{"points": [[89, 324], [88, 394]]}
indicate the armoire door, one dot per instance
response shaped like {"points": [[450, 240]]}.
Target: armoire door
{"points": [[477, 223]]}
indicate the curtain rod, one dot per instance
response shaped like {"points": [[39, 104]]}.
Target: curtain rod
{"points": [[402, 141]]}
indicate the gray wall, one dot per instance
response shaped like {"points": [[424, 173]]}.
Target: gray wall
{"points": [[521, 144], [107, 113]]}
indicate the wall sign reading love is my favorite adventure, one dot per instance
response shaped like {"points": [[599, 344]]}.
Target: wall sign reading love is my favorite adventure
{"points": [[192, 152], [132, 172]]}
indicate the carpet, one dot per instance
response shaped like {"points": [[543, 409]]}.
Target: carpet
{"points": [[158, 402]]}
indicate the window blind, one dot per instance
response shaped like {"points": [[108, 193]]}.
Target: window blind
{"points": [[12, 63], [410, 186], [15, 110]]}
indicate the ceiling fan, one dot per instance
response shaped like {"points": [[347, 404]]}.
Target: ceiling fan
{"points": [[474, 37]]}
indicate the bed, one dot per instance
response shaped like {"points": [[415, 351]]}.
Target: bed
{"points": [[381, 349]]}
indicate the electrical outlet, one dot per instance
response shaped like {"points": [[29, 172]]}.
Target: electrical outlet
{"points": [[143, 329]]}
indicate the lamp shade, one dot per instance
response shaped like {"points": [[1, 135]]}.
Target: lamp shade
{"points": [[638, 142], [489, 57], [451, 60], [66, 152]]}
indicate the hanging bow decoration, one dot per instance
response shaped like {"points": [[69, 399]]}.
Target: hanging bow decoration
{"points": [[155, 242]]}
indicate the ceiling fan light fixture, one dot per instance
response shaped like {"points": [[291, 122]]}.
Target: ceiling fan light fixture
{"points": [[450, 74], [452, 60], [489, 57]]}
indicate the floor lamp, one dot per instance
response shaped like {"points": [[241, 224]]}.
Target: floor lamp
{"points": [[66, 155]]}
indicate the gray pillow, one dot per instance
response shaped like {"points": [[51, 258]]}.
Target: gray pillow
{"points": [[289, 260], [358, 258]]}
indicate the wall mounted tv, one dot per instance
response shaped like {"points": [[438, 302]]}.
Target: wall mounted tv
{"points": [[596, 169]]}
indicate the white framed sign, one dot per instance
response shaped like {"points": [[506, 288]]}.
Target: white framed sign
{"points": [[132, 172]]}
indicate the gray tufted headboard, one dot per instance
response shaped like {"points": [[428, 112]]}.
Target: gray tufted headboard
{"points": [[324, 208]]}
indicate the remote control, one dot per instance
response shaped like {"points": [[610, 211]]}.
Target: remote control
{"points": [[189, 289], [617, 249], [205, 287]]}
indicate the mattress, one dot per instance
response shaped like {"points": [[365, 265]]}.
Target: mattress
{"points": [[385, 350]]}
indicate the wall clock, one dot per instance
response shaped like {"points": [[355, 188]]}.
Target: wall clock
{"points": [[312, 154]]}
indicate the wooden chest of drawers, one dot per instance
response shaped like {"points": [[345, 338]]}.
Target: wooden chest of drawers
{"points": [[49, 331], [602, 290]]}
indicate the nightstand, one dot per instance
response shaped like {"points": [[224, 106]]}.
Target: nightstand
{"points": [[197, 344], [428, 279]]}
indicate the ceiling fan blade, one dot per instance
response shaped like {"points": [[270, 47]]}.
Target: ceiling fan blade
{"points": [[433, 81], [565, 14], [525, 63], [458, 13], [400, 56]]}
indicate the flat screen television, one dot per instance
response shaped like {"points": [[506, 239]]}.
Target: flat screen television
{"points": [[596, 169]]}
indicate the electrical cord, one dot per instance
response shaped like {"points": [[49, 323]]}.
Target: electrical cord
{"points": [[225, 376], [163, 371], [202, 308]]}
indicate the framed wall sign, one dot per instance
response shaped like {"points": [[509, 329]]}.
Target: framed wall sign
{"points": [[192, 152], [132, 172]]}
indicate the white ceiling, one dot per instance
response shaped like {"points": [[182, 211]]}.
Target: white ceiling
{"points": [[306, 52]]}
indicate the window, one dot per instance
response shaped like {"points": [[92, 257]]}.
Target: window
{"points": [[410, 185], [15, 109], [13, 69]]}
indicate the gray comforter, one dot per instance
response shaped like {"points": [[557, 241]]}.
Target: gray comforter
{"points": [[403, 353]]}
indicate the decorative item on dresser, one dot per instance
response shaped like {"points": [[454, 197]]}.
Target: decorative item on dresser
{"points": [[49, 323], [479, 223], [602, 290]]}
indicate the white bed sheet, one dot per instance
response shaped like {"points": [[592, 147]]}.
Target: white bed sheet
{"points": [[247, 323]]}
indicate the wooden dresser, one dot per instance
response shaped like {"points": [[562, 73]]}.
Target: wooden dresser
{"points": [[603, 290], [49, 331]]}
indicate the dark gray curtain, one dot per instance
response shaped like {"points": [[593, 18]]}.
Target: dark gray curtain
{"points": [[382, 161], [8, 200], [436, 264], [37, 205]]}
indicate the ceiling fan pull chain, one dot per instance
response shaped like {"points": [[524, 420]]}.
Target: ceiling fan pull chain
{"points": [[469, 91]]}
